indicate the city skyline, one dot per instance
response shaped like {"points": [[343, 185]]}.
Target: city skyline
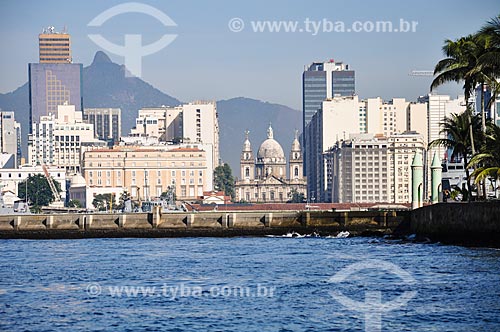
{"points": [[210, 50]]}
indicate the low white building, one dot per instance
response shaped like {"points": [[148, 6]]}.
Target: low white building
{"points": [[10, 178]]}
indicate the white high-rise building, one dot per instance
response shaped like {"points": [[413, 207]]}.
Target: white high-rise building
{"points": [[342, 116], [439, 107], [386, 118], [61, 139], [10, 136], [337, 118]]}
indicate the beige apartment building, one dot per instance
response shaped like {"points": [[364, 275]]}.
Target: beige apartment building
{"points": [[368, 168], [145, 172]]}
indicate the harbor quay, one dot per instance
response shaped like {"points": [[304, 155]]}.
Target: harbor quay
{"points": [[183, 224]]}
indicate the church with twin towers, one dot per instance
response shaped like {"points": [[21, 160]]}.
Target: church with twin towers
{"points": [[264, 178]]}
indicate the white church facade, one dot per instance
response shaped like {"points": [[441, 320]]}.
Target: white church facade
{"points": [[265, 179]]}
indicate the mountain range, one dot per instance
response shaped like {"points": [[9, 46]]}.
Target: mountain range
{"points": [[106, 85]]}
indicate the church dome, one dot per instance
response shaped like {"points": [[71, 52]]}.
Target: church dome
{"points": [[270, 150]]}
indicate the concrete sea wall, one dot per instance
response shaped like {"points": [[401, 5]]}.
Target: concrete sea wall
{"points": [[474, 224], [72, 225]]}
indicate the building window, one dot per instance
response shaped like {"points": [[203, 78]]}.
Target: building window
{"points": [[247, 172], [296, 171]]}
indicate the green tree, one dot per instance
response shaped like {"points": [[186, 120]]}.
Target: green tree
{"points": [[39, 192], [224, 180], [74, 203], [488, 160], [296, 197], [169, 195], [124, 196], [105, 202], [456, 127], [462, 65], [489, 62]]}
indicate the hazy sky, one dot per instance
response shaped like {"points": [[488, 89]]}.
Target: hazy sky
{"points": [[208, 61]]}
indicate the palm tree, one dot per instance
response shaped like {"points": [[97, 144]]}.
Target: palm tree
{"points": [[457, 128], [491, 32], [488, 159], [462, 64], [489, 62]]}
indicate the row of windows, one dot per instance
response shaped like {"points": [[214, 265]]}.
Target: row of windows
{"points": [[42, 39], [42, 45], [49, 59], [19, 175]]}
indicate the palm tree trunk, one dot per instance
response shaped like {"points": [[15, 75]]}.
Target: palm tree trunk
{"points": [[473, 148], [483, 115], [483, 127], [471, 132], [468, 177]]}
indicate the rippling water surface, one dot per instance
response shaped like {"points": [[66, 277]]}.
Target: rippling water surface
{"points": [[245, 284]]}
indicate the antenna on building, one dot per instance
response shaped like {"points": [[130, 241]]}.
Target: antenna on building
{"points": [[421, 73]]}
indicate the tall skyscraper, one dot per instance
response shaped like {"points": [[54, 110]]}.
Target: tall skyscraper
{"points": [[55, 80], [322, 80], [54, 47]]}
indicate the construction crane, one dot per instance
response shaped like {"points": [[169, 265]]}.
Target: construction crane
{"points": [[421, 73], [57, 199]]}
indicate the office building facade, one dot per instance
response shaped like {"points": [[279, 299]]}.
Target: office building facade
{"points": [[192, 123], [51, 85], [322, 80], [61, 139], [54, 47], [106, 121], [368, 168], [10, 136], [147, 172]]}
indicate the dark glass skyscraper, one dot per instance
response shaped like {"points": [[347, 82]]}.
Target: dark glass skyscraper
{"points": [[53, 84], [322, 80]]}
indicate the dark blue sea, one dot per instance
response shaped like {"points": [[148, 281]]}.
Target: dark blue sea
{"points": [[247, 284]]}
